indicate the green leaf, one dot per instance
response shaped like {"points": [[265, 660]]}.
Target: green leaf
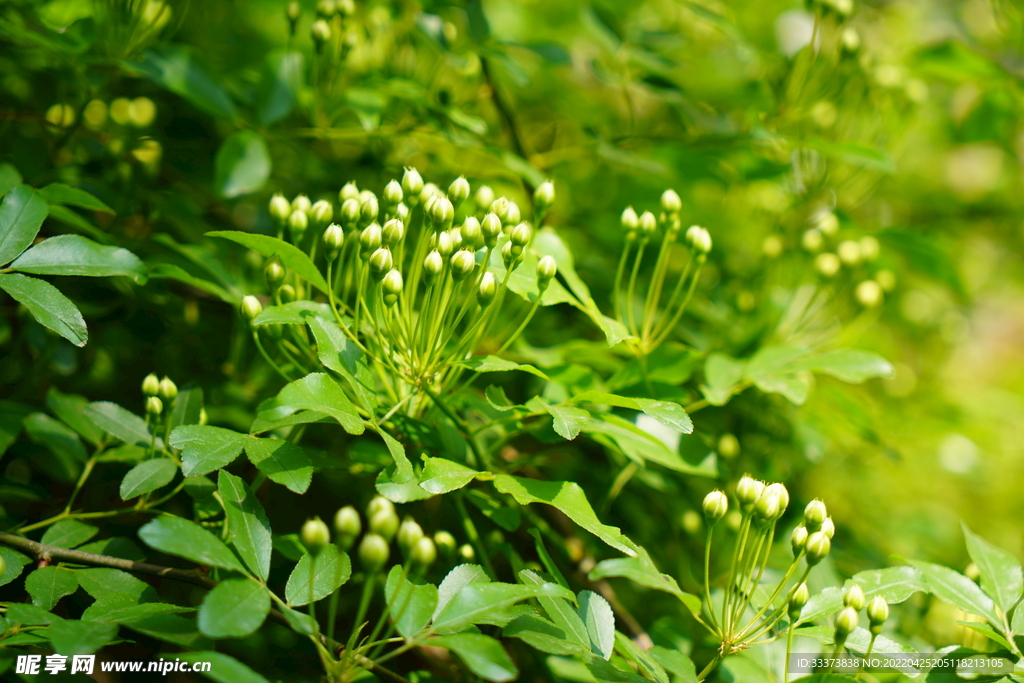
{"points": [[282, 461], [640, 569], [235, 608], [21, 214], [169, 271], [893, 584], [596, 614], [13, 564], [68, 533], [176, 69], [115, 611], [121, 424], [223, 668], [182, 538], [291, 257], [48, 306], [497, 364], [248, 526], [1001, 575], [958, 590], [59, 440], [543, 635], [59, 193], [411, 606], [205, 448], [482, 654], [330, 569], [77, 255], [568, 497], [988, 632], [171, 629], [458, 578], [568, 420], [295, 313], [188, 407], [855, 153], [242, 165], [70, 408], [722, 374], [641, 446], [639, 658], [115, 546], [489, 603], [29, 615], [114, 585], [10, 178], [49, 584], [80, 637], [676, 663], [666, 412], [11, 417], [318, 391], [276, 96], [444, 476], [147, 476], [562, 613], [65, 215], [849, 365], [339, 354]]}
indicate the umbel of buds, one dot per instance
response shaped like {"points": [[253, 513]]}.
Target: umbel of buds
{"points": [[716, 504], [315, 535]]}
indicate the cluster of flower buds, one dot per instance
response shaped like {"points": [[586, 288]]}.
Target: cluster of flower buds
{"points": [[158, 392], [662, 307], [417, 275], [813, 538]]}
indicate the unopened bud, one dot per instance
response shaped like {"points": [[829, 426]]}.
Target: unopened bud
{"points": [[348, 191], [798, 539], [273, 272], [499, 207], [849, 252], [445, 544], [286, 294], [768, 507], [412, 185], [716, 504], [466, 552], [373, 553], [471, 232], [512, 214], [521, 235], [854, 597], [546, 269], [846, 623], [315, 535], [334, 238], [748, 490], [544, 197], [699, 239], [429, 192], [381, 262], [384, 523], [393, 232], [799, 595], [828, 527], [168, 389], [409, 534], [509, 255], [869, 294], [151, 385], [280, 209], [369, 208], [630, 221], [458, 191], [321, 33], [423, 553], [297, 224], [350, 213], [490, 227], [154, 406], [378, 504], [488, 288], [812, 240], [251, 307], [483, 198], [878, 612], [433, 265], [670, 202], [781, 491], [392, 283], [402, 212], [370, 239], [326, 8], [828, 264], [393, 194], [815, 514], [293, 10], [463, 262], [817, 548], [321, 214], [648, 224], [302, 203], [728, 446], [347, 526], [441, 213]]}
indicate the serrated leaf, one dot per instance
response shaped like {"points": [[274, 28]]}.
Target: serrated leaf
{"points": [[722, 374], [70, 408], [319, 392], [171, 629], [666, 412], [13, 564], [543, 635], [596, 614], [339, 354], [411, 606], [106, 583], [849, 365], [205, 448], [641, 569], [49, 584], [10, 178], [29, 615], [330, 569], [147, 476], [235, 608], [568, 420], [291, 257], [893, 584], [22, 212], [958, 590], [282, 461], [482, 654], [68, 533], [640, 446], [676, 663], [188, 407], [80, 637], [498, 364], [489, 603], [248, 526], [444, 476], [47, 305], [456, 580], [182, 538], [121, 424], [563, 615], [1001, 574], [77, 255], [293, 313], [115, 611], [61, 441]]}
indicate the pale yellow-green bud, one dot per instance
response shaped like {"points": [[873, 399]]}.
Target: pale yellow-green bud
{"points": [[488, 288], [348, 191], [315, 535], [251, 307], [347, 526], [458, 191], [168, 389], [381, 262], [334, 238], [828, 527], [728, 446], [286, 294], [544, 197], [854, 597], [509, 255], [546, 270], [462, 262], [878, 612], [471, 232], [373, 553], [781, 491], [869, 294], [768, 507], [466, 552], [521, 235], [815, 514], [490, 227], [817, 548], [151, 385], [298, 221], [302, 203], [393, 232], [670, 202], [483, 198], [748, 490], [798, 539], [350, 213], [392, 283], [846, 623], [699, 239], [828, 264], [384, 523], [499, 207], [369, 208], [716, 505], [630, 221], [423, 553], [321, 33], [279, 209], [442, 212], [433, 265], [378, 503], [409, 534], [849, 252], [393, 193], [412, 185], [648, 224], [512, 214], [812, 240], [370, 239], [320, 214], [444, 243], [154, 406], [445, 543], [273, 272]]}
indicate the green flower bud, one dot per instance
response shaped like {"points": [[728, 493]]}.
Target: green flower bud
{"points": [[458, 191], [292, 11], [846, 623], [433, 265], [748, 490], [798, 539], [546, 269], [512, 214], [869, 294], [878, 612], [251, 307], [768, 507], [815, 514], [384, 523], [280, 209], [648, 224], [698, 239], [509, 255], [466, 552], [381, 262], [828, 527], [393, 232], [670, 202], [462, 262], [483, 198], [334, 238], [315, 535], [392, 283], [521, 235], [373, 553], [348, 191], [441, 213], [488, 288], [544, 197], [781, 491], [471, 232], [409, 534], [326, 8], [412, 185], [393, 194], [302, 203], [151, 385], [828, 264], [799, 595], [370, 239], [817, 548], [350, 213], [320, 31], [273, 272], [402, 213], [716, 504], [630, 221], [854, 597], [444, 243], [490, 227], [812, 240], [728, 446], [321, 214], [154, 406], [286, 294], [499, 207], [347, 526], [445, 543], [369, 208], [298, 221], [423, 553], [430, 191], [168, 389], [378, 504]]}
